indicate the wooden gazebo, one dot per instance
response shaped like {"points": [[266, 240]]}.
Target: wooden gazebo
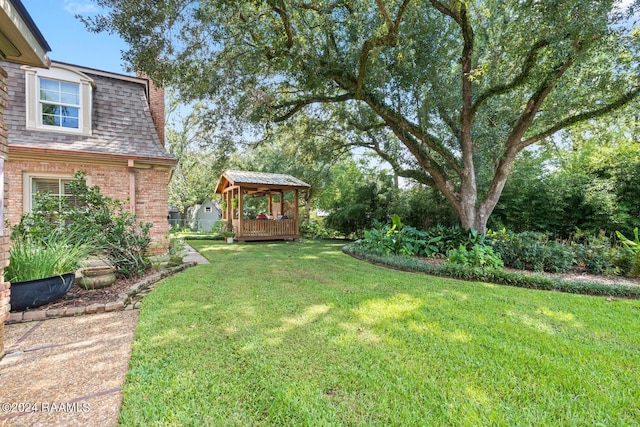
{"points": [[281, 217]]}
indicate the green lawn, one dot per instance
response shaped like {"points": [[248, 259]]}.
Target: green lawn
{"points": [[301, 334]]}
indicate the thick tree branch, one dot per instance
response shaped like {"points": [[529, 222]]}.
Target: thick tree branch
{"points": [[446, 10], [518, 80], [286, 21], [417, 174], [598, 112], [535, 102], [513, 144], [390, 39], [298, 105]]}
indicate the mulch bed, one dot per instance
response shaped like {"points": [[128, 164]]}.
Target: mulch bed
{"points": [[78, 297], [575, 276]]}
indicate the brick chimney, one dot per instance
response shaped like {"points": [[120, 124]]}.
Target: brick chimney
{"points": [[156, 105]]}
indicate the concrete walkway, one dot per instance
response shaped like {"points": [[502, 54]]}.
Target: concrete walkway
{"points": [[68, 371], [191, 255]]}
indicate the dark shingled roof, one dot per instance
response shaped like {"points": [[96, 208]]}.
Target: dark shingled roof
{"points": [[122, 123]]}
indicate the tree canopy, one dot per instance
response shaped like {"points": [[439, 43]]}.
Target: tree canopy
{"points": [[447, 91]]}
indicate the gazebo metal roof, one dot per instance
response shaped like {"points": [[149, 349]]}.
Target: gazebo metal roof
{"points": [[234, 177]]}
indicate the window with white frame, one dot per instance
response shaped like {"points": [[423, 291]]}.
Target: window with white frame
{"points": [[59, 103], [58, 99], [58, 186]]}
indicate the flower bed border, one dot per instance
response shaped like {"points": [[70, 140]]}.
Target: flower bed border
{"points": [[497, 276], [125, 300]]}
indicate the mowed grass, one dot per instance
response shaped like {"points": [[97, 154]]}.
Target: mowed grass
{"points": [[301, 334]]}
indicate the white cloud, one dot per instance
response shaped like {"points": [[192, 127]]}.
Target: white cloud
{"points": [[79, 7]]}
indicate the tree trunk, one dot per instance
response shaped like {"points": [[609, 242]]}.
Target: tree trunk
{"points": [[473, 217]]}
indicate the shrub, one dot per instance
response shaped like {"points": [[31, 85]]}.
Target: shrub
{"points": [[316, 230], [478, 256], [499, 276], [91, 217], [534, 251], [596, 254], [631, 251]]}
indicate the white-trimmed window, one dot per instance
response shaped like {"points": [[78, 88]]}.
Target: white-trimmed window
{"points": [[58, 99], [59, 103], [56, 185]]}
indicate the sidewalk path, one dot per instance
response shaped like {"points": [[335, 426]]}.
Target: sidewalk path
{"points": [[193, 255], [70, 370]]}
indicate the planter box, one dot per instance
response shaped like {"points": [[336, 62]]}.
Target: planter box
{"points": [[97, 277], [34, 293]]}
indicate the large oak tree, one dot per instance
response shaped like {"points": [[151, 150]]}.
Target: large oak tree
{"points": [[447, 91]]}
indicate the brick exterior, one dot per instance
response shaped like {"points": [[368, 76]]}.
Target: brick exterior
{"points": [[156, 104], [113, 179], [124, 138], [4, 243]]}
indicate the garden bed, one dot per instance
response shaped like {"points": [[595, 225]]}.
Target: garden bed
{"points": [[124, 294], [565, 282], [577, 276]]}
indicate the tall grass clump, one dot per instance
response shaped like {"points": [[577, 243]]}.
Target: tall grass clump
{"points": [[33, 258]]}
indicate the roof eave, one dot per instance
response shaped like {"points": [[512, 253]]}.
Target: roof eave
{"points": [[20, 149], [20, 39]]}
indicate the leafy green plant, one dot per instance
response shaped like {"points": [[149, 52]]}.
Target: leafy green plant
{"points": [[478, 256], [532, 251], [223, 228], [92, 217], [596, 254], [633, 247], [33, 258]]}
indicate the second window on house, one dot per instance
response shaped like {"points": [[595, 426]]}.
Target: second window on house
{"points": [[55, 186]]}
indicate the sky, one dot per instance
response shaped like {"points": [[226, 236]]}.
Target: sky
{"points": [[69, 39]]}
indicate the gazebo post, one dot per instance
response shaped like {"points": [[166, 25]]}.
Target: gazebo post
{"points": [[240, 211], [281, 203], [295, 207]]}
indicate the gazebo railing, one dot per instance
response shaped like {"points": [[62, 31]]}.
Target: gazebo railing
{"points": [[265, 227]]}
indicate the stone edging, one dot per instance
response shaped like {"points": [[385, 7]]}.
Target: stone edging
{"points": [[124, 301]]}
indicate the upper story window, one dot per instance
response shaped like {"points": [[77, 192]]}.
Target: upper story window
{"points": [[59, 103], [58, 99]]}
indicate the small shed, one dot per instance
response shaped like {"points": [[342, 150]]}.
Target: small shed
{"points": [[281, 219], [203, 217]]}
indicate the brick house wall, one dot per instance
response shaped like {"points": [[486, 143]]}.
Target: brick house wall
{"points": [[4, 240], [113, 180], [125, 137]]}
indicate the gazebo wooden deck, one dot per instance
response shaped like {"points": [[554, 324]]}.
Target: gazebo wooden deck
{"points": [[281, 219]]}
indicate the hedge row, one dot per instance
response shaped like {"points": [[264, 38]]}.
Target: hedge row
{"points": [[498, 276]]}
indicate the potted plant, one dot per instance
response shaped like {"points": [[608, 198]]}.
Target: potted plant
{"points": [[228, 233], [42, 271]]}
